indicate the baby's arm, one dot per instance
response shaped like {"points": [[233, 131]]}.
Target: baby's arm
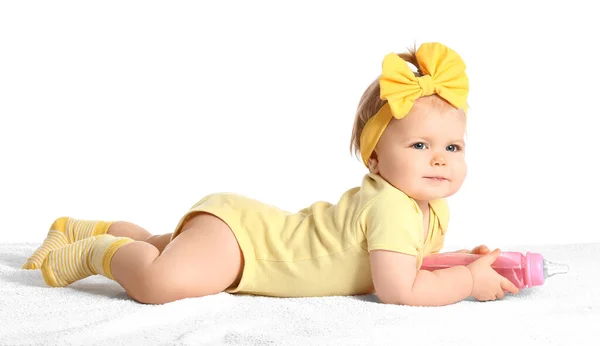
{"points": [[394, 235], [397, 281]]}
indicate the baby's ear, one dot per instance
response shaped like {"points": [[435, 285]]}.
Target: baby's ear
{"points": [[373, 165]]}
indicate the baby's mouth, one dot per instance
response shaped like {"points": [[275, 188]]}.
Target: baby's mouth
{"points": [[436, 178]]}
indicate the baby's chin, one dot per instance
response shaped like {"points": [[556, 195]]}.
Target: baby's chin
{"points": [[428, 194], [422, 191]]}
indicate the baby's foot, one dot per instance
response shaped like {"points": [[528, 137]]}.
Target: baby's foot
{"points": [[65, 231], [55, 239]]}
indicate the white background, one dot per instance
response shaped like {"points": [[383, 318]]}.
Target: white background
{"points": [[133, 111]]}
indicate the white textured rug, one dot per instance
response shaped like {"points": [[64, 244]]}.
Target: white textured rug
{"points": [[96, 311]]}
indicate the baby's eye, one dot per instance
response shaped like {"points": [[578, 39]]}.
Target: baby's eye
{"points": [[419, 145], [453, 147]]}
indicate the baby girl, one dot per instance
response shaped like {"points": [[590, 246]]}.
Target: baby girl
{"points": [[409, 132]]}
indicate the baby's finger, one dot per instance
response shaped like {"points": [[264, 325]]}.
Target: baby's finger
{"points": [[480, 250], [491, 257], [483, 249], [508, 286], [500, 294]]}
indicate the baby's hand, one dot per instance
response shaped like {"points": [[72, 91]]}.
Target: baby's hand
{"points": [[487, 283], [478, 250]]}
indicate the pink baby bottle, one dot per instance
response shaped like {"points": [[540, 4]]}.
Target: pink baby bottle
{"points": [[524, 271]]}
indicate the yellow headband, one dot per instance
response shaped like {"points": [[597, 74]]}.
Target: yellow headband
{"points": [[444, 74]]}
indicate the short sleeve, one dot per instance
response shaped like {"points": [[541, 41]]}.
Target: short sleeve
{"points": [[392, 223]]}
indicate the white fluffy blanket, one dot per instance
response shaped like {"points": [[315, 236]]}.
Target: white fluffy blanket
{"points": [[96, 311]]}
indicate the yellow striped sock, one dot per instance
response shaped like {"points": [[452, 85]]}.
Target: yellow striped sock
{"points": [[54, 240], [64, 231], [81, 259], [80, 229]]}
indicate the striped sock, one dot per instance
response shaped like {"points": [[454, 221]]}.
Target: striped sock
{"points": [[81, 259], [64, 231]]}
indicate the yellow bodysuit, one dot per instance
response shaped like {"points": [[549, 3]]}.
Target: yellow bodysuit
{"points": [[323, 250]]}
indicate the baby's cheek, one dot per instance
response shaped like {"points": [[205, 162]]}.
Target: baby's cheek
{"points": [[460, 174], [459, 165]]}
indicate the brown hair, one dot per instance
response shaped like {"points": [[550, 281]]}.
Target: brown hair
{"points": [[370, 102]]}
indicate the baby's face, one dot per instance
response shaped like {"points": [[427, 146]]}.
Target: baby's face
{"points": [[423, 153]]}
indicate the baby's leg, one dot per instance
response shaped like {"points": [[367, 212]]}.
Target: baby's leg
{"points": [[129, 230], [204, 259], [160, 241], [135, 232]]}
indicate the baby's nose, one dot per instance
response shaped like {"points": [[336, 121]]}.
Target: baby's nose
{"points": [[438, 160]]}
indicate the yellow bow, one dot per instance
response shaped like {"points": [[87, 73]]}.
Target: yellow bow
{"points": [[444, 75]]}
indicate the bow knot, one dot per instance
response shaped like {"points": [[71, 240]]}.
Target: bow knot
{"points": [[426, 84]]}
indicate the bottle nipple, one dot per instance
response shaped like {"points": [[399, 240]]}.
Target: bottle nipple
{"points": [[551, 269]]}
